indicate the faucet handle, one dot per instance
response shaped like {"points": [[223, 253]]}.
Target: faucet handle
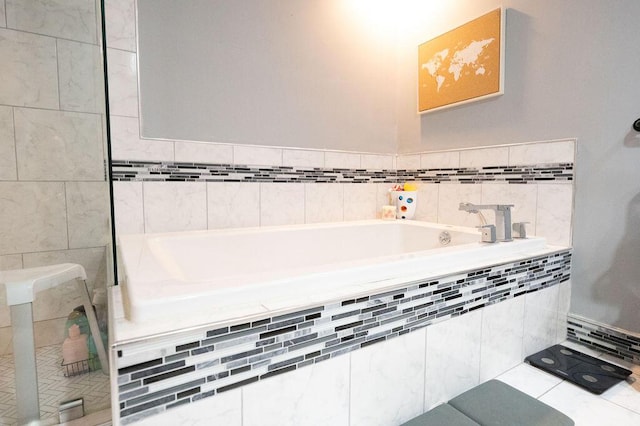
{"points": [[520, 228], [488, 233]]}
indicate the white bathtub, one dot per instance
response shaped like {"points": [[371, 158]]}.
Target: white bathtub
{"points": [[177, 280]]}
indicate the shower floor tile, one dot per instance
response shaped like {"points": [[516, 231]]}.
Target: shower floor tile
{"points": [[53, 387]]}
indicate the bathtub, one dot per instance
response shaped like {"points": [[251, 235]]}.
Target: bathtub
{"points": [[201, 315], [204, 277]]}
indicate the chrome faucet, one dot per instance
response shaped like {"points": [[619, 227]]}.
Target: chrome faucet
{"points": [[503, 217]]}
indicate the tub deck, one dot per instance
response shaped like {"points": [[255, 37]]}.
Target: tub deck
{"points": [[177, 280]]}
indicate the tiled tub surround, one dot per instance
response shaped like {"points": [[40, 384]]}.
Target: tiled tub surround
{"points": [[326, 186], [619, 343], [158, 375]]}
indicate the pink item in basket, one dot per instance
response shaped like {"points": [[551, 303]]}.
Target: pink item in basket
{"points": [[74, 348]]}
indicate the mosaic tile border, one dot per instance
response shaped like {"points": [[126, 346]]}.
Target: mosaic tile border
{"points": [[207, 172], [225, 358], [616, 342]]}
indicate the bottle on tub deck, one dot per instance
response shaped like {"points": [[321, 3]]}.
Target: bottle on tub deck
{"points": [[404, 198], [74, 348]]}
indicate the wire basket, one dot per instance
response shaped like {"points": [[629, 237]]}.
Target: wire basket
{"points": [[80, 367]]}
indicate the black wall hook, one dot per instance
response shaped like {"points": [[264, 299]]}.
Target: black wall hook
{"points": [[636, 125]]}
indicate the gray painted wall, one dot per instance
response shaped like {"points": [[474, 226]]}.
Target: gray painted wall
{"points": [[285, 73], [336, 80], [573, 70]]}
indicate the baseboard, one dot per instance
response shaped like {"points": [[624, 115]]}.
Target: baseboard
{"points": [[620, 343]]}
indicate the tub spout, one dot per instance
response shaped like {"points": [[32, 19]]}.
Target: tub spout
{"points": [[503, 217]]}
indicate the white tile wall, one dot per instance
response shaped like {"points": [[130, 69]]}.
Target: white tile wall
{"points": [[128, 204], [540, 320], [32, 217], [292, 399], [88, 214], [427, 202], [561, 151], [449, 198], [175, 206], [123, 83], [126, 143], [68, 19], [323, 202], [388, 381], [554, 213], [252, 155], [7, 145], [541, 153], [57, 145], [359, 201], [408, 162], [564, 302], [440, 160], [10, 261], [376, 162], [29, 70], [452, 358], [223, 409], [281, 204], [341, 160], [121, 23], [502, 337], [81, 86], [302, 158], [233, 205], [484, 157], [382, 197]]}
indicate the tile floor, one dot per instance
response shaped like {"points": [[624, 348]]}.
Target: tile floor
{"points": [[53, 388], [619, 406]]}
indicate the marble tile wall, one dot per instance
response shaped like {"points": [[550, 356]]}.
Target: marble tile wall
{"points": [[546, 206], [53, 193], [386, 383]]}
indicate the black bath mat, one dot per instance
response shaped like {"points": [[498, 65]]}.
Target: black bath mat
{"points": [[590, 373]]}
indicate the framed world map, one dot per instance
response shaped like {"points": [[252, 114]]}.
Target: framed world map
{"points": [[463, 65]]}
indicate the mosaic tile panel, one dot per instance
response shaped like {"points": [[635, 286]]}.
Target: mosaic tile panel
{"points": [[205, 172], [616, 342], [225, 358]]}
